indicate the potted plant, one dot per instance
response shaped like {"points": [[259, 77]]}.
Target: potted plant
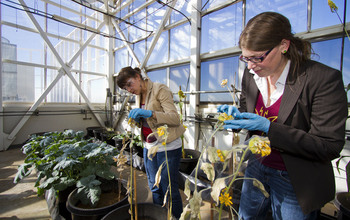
{"points": [[66, 159], [126, 139]]}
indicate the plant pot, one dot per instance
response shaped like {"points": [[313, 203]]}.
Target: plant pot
{"points": [[190, 161], [138, 150], [107, 137], [57, 204], [145, 211], [90, 131], [98, 132], [342, 202], [87, 213], [118, 143]]}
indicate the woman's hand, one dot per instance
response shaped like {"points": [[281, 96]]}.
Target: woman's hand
{"points": [[249, 121], [139, 113], [230, 110]]}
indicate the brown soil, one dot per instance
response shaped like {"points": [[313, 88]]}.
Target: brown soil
{"points": [[106, 199]]}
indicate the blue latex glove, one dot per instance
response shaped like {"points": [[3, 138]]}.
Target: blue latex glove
{"points": [[229, 110], [138, 113], [249, 121]]}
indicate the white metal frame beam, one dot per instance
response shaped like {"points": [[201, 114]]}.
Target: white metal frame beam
{"points": [[195, 70]]}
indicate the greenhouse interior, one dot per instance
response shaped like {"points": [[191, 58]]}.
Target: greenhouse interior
{"points": [[76, 124]]}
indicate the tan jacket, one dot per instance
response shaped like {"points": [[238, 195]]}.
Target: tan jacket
{"points": [[160, 100]]}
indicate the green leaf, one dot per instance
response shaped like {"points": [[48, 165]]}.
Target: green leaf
{"points": [[94, 153], [40, 191], [88, 182], [260, 186], [40, 176], [23, 171], [94, 195], [218, 185], [64, 183], [48, 182], [209, 171], [65, 163], [106, 174]]}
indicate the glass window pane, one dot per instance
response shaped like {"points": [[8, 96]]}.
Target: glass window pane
{"points": [[121, 59], [136, 27], [184, 8], [210, 3], [160, 51], [18, 83], [179, 76], [295, 11], [13, 12], [140, 50], [158, 76], [60, 28], [212, 74], [94, 88], [63, 91], [33, 52], [322, 15], [328, 52], [180, 42], [155, 13], [222, 28]]}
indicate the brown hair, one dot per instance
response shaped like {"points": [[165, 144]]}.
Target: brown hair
{"points": [[127, 73], [267, 30]]}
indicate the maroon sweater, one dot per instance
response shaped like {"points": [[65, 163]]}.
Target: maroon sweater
{"points": [[274, 160]]}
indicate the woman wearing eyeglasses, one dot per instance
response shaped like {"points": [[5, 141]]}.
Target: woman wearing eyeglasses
{"points": [[301, 106], [156, 108]]}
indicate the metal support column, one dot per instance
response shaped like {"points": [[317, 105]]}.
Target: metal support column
{"points": [[195, 71]]}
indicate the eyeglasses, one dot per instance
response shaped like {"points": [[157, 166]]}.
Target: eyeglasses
{"points": [[255, 59], [128, 83]]}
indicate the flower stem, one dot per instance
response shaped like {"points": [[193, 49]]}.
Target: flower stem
{"points": [[234, 178], [200, 156], [169, 179]]}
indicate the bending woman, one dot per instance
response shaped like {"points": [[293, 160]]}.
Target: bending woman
{"points": [[156, 109]]}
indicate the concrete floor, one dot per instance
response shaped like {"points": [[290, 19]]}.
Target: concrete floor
{"points": [[20, 201]]}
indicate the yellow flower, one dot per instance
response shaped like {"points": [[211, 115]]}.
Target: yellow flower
{"points": [[160, 131], [260, 145], [181, 94], [225, 199], [332, 6], [224, 83], [132, 123], [224, 117], [184, 126], [163, 143], [220, 155]]}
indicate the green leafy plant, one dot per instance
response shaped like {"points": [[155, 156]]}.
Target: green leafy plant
{"points": [[129, 138], [64, 159]]}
